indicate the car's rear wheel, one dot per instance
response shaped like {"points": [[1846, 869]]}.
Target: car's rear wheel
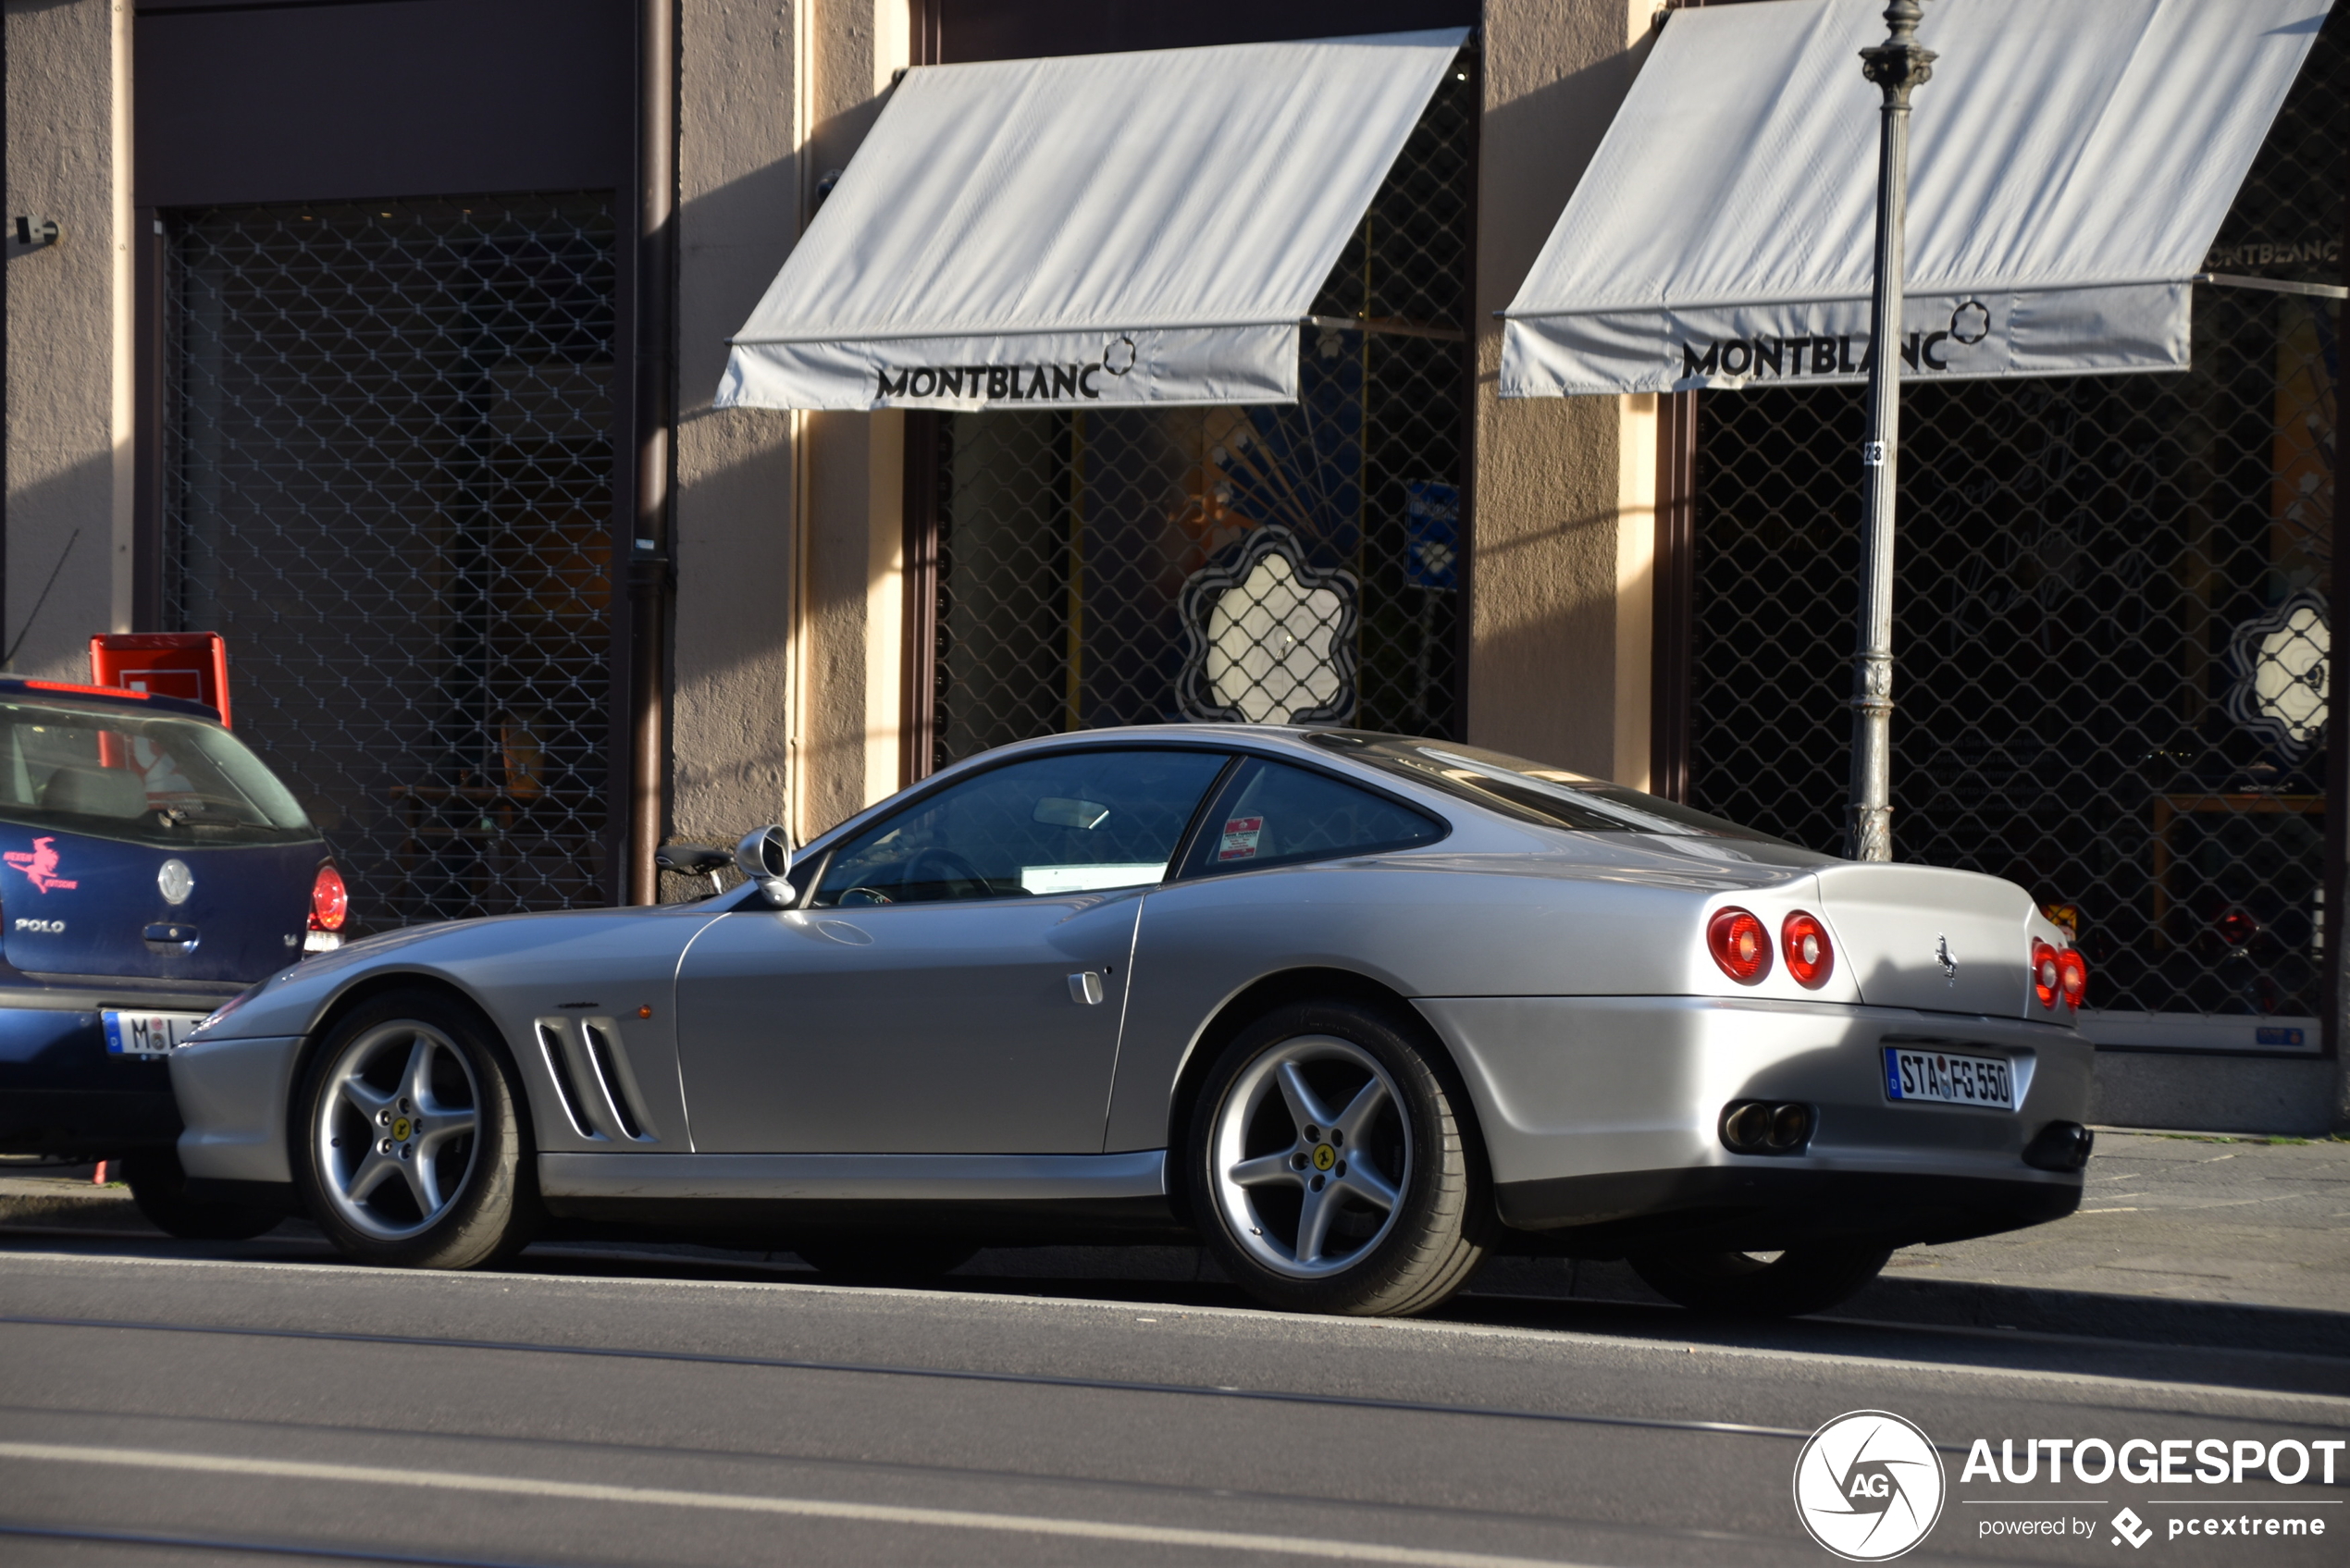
{"points": [[1810, 1276], [1328, 1165], [409, 1137], [160, 1188]]}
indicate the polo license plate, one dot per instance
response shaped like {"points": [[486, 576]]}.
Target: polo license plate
{"points": [[148, 1034], [1946, 1079]]}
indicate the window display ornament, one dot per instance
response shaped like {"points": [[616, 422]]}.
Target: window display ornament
{"points": [[2281, 662], [1272, 639]]}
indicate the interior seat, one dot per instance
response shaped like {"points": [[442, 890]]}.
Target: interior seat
{"points": [[96, 792]]}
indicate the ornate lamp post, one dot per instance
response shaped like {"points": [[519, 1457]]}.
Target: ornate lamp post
{"points": [[1897, 66]]}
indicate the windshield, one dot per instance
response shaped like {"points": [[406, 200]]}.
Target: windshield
{"points": [[1532, 792], [141, 778]]}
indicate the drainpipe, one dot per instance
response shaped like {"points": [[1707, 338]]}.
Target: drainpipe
{"points": [[2337, 864], [655, 403]]}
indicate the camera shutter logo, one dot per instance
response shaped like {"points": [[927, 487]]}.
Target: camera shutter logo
{"points": [[1869, 1486]]}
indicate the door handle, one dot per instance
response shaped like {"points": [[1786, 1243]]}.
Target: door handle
{"points": [[1085, 988], [172, 934]]}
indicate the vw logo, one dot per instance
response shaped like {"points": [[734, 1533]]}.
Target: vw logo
{"points": [[1869, 1486]]}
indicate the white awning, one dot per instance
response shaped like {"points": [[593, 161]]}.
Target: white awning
{"points": [[1144, 228], [2069, 164]]}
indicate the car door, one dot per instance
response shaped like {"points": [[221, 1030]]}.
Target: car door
{"points": [[955, 981]]}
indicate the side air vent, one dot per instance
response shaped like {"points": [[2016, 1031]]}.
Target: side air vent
{"points": [[619, 1084], [589, 1064], [551, 1042]]}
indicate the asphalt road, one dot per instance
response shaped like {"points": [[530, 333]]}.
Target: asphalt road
{"points": [[162, 1402]]}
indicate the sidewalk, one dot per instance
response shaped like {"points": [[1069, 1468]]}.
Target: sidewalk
{"points": [[2183, 1216]]}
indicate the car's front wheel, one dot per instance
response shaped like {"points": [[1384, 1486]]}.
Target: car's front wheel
{"points": [[1809, 1277], [1329, 1167], [409, 1137]]}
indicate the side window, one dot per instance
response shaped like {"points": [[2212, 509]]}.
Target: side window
{"points": [[1073, 822], [1272, 814]]}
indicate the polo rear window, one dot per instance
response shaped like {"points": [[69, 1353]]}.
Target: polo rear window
{"points": [[141, 778]]}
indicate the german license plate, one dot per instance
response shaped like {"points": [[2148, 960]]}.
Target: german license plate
{"points": [[1948, 1079], [148, 1034]]}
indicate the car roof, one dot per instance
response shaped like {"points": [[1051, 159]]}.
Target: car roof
{"points": [[110, 697]]}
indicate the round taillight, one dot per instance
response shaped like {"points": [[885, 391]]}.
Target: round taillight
{"points": [[2072, 975], [2045, 980], [1739, 944], [329, 900], [1809, 956]]}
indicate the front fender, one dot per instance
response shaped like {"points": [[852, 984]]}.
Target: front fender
{"points": [[232, 1103]]}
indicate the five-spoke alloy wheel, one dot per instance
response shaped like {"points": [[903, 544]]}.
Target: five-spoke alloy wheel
{"points": [[1311, 1151], [1329, 1166], [409, 1137]]}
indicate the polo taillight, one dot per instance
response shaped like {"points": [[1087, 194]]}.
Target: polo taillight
{"points": [[329, 900], [1810, 958], [1739, 944], [2073, 976], [2047, 979]]}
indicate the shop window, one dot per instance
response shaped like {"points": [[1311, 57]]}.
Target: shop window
{"points": [[388, 484], [2111, 634], [1077, 569]]}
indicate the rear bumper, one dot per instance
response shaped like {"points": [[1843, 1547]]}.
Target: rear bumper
{"points": [[1602, 1115], [1750, 1210], [62, 1092]]}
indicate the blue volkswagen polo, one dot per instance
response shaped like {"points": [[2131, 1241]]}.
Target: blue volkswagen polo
{"points": [[151, 867]]}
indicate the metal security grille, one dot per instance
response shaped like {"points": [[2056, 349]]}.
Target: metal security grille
{"points": [[389, 486], [1266, 562], [2112, 639]]}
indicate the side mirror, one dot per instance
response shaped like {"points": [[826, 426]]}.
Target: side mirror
{"points": [[764, 857]]}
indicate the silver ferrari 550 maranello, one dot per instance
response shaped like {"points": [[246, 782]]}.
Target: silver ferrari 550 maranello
{"points": [[1351, 1009]]}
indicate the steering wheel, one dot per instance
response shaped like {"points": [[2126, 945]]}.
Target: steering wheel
{"points": [[962, 878]]}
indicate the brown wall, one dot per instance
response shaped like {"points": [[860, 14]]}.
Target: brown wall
{"points": [[68, 392], [1562, 525]]}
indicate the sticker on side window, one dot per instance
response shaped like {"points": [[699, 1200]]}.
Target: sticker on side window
{"points": [[1240, 838]]}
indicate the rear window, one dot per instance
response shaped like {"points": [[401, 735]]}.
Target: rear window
{"points": [[1532, 792], [141, 778], [1271, 814]]}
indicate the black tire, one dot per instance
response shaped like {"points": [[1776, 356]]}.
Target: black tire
{"points": [[484, 1180], [1392, 1261], [888, 1260], [1810, 1276], [160, 1188]]}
